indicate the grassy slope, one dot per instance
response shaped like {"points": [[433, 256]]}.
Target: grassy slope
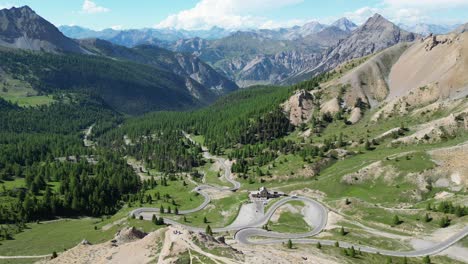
{"points": [[290, 222], [21, 92], [44, 238]]}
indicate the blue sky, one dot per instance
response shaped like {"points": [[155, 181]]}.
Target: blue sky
{"points": [[203, 14]]}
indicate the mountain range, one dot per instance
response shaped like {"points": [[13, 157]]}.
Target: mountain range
{"points": [[156, 79], [202, 69], [280, 56], [427, 29], [251, 58], [273, 56]]}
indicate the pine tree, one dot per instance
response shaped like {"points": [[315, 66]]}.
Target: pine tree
{"points": [[342, 231], [396, 220], [208, 230], [427, 218], [319, 246], [290, 244], [347, 202], [427, 260], [428, 207], [161, 221], [444, 222], [205, 220]]}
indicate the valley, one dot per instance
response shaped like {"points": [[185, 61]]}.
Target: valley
{"points": [[338, 143]]}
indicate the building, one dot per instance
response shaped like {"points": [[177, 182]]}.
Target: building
{"points": [[263, 193]]}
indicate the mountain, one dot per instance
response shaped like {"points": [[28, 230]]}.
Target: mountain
{"points": [[422, 77], [376, 34], [293, 33], [263, 56], [327, 37], [201, 79], [344, 24], [310, 28], [23, 28], [287, 56], [461, 29], [135, 37], [77, 32], [426, 29], [132, 81]]}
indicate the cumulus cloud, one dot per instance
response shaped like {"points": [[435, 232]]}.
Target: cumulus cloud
{"points": [[232, 14], [426, 3], [397, 12], [7, 5], [89, 7], [360, 15]]}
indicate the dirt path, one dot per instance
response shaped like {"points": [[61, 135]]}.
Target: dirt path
{"points": [[86, 141]]}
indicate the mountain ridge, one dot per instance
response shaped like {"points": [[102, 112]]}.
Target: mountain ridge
{"points": [[154, 75], [376, 34], [23, 28]]}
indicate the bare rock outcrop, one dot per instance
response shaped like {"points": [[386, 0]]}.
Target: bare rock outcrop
{"points": [[300, 107], [355, 116], [332, 106], [128, 235]]}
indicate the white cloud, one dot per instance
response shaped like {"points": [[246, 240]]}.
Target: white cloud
{"points": [[117, 27], [231, 14], [7, 5], [396, 14], [426, 3], [360, 15], [89, 7]]}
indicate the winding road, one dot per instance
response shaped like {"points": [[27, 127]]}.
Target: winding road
{"points": [[243, 234]]}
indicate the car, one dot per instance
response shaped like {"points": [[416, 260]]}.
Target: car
{"points": [[294, 196]]}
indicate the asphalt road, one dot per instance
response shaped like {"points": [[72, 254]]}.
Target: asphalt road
{"points": [[245, 233], [320, 213]]}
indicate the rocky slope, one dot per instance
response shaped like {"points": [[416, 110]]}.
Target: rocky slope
{"points": [[22, 28], [167, 245], [409, 78], [375, 35], [461, 29], [177, 245]]}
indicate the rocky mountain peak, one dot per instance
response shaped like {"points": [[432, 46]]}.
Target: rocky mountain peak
{"points": [[312, 27], [23, 28], [377, 21], [344, 24]]}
